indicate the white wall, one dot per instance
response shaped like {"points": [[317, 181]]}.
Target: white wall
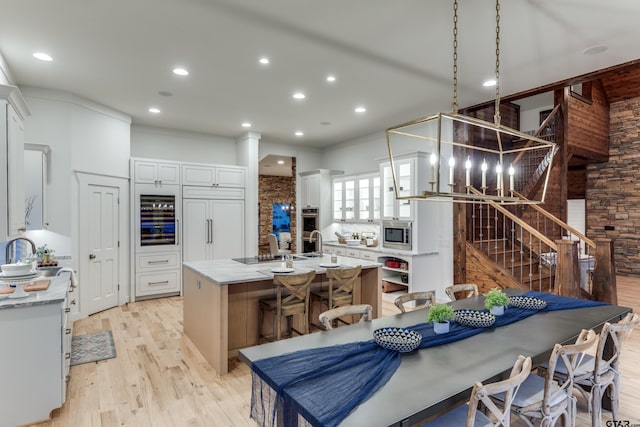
{"points": [[167, 144]]}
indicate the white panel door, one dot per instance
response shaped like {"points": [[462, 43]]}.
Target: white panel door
{"points": [[196, 226], [228, 228], [102, 284]]}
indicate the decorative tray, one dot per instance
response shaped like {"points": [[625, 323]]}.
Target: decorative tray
{"points": [[528, 303], [475, 318], [397, 339]]}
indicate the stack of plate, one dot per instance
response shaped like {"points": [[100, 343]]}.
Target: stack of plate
{"points": [[17, 272]]}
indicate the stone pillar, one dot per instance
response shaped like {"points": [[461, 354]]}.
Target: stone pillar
{"points": [[567, 269]]}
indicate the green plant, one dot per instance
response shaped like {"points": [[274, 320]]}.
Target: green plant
{"points": [[440, 313], [495, 298], [44, 250]]}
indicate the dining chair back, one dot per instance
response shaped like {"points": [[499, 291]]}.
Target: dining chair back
{"points": [[292, 297], [420, 299], [467, 290], [326, 318], [601, 373], [470, 415], [557, 398], [340, 290], [274, 248], [285, 240]]}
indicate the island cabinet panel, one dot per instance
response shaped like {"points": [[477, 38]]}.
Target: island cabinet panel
{"points": [[205, 318]]}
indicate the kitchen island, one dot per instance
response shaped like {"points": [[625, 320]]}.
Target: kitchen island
{"points": [[221, 300]]}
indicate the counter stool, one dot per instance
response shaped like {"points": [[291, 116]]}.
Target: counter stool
{"points": [[340, 291], [292, 300]]}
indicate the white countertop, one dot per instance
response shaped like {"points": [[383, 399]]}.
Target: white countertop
{"points": [[227, 271], [55, 293], [377, 249]]}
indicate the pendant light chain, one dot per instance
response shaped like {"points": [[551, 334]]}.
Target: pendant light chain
{"points": [[497, 107], [454, 102]]}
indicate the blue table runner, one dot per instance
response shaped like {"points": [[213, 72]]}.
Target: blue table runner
{"points": [[324, 385]]}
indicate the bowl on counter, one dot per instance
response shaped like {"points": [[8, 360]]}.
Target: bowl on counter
{"points": [[352, 242], [16, 269]]}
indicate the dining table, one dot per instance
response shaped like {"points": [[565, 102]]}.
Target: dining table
{"points": [[431, 380]]}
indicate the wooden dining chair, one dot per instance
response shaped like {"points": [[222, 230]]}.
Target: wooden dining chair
{"points": [[600, 373], [326, 318], [469, 289], [471, 416], [545, 399], [419, 299], [292, 297], [340, 290]]}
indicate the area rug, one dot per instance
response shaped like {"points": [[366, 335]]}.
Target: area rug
{"points": [[92, 347]]}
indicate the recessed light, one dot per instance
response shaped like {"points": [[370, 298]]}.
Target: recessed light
{"points": [[154, 110], [325, 123], [299, 95], [180, 71], [299, 133], [331, 79], [360, 109], [489, 83], [281, 162], [42, 56], [246, 125], [165, 93], [264, 61], [594, 50]]}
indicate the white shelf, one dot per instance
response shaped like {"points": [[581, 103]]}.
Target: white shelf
{"points": [[396, 281], [395, 269]]}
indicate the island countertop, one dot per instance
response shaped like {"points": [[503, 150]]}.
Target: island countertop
{"points": [[229, 272], [55, 293]]}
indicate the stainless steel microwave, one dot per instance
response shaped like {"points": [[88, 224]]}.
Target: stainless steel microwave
{"points": [[396, 235]]}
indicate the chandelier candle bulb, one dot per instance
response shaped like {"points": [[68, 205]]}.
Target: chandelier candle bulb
{"points": [[499, 179], [432, 160], [484, 173], [467, 166], [452, 163], [511, 173]]}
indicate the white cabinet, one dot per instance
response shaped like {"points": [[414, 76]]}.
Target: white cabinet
{"points": [[392, 208], [310, 191], [13, 110], [344, 199], [36, 352], [213, 176], [368, 198], [156, 172], [213, 229]]}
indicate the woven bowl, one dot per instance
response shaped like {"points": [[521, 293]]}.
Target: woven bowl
{"points": [[475, 318], [528, 303], [397, 339]]}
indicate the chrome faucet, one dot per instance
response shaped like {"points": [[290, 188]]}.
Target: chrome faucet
{"points": [[10, 249], [318, 241]]}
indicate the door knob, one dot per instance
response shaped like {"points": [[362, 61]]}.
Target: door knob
{"points": [[92, 256]]}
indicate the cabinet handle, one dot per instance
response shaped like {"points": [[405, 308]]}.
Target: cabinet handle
{"points": [[162, 261], [67, 331], [177, 232], [92, 256], [67, 310], [390, 188], [401, 188], [73, 302], [211, 230], [164, 282], [22, 229], [67, 356]]}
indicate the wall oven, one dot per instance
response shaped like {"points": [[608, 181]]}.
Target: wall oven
{"points": [[396, 235], [310, 222]]}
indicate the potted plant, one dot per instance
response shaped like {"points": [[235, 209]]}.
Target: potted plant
{"points": [[440, 315], [496, 300], [45, 254]]}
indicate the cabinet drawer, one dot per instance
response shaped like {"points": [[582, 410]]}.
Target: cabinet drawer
{"points": [[157, 283], [371, 256], [153, 262], [353, 253], [341, 251], [193, 192]]}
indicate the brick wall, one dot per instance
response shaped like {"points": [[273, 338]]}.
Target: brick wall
{"points": [[276, 189], [613, 188]]}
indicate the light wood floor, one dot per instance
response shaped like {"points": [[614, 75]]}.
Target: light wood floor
{"points": [[160, 379]]}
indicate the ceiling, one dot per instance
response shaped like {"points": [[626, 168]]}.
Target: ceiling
{"points": [[392, 57]]}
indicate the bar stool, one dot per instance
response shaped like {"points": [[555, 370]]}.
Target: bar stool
{"points": [[340, 291], [295, 302]]}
